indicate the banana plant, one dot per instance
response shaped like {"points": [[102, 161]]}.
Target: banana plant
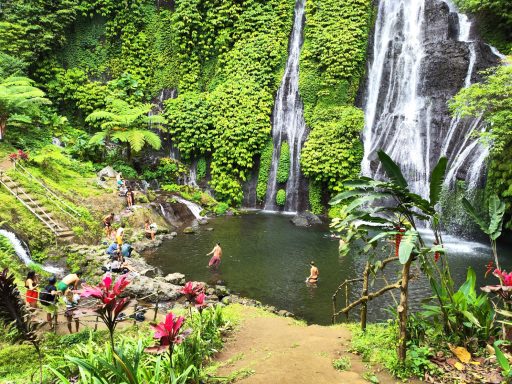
{"points": [[493, 224]]}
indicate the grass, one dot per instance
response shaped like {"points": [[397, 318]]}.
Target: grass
{"points": [[342, 364]]}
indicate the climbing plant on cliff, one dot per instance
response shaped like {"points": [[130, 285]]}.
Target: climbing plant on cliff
{"points": [[331, 66], [333, 150]]}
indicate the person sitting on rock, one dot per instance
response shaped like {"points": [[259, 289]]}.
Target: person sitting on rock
{"points": [[150, 233]]}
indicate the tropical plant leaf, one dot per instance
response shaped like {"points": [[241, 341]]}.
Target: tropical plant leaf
{"points": [[501, 358], [436, 180], [468, 207], [496, 212], [407, 245], [392, 169]]}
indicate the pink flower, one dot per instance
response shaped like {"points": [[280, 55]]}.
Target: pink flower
{"points": [[22, 155], [191, 290], [200, 301], [13, 156]]}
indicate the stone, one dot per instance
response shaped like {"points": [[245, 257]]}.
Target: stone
{"points": [[221, 291], [202, 221], [175, 278], [152, 289], [189, 230], [107, 172], [213, 298], [209, 229], [210, 291], [226, 300], [174, 234], [305, 219]]}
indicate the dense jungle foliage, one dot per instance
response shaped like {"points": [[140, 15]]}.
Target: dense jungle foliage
{"points": [[223, 59]]}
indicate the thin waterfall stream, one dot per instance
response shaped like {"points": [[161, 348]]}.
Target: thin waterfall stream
{"points": [[288, 121]]}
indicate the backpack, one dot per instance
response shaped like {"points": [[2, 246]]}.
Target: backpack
{"points": [[45, 297]]}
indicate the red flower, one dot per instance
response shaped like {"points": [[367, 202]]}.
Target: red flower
{"points": [[13, 156], [489, 267], [200, 301], [110, 305], [168, 332], [192, 289], [506, 278], [22, 155]]}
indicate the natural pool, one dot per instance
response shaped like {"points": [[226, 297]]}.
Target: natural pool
{"points": [[267, 258]]}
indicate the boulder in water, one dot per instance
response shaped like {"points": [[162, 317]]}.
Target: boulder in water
{"points": [[189, 230], [305, 219], [152, 289], [175, 278]]}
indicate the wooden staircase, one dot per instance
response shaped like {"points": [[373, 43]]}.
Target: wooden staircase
{"points": [[36, 206]]}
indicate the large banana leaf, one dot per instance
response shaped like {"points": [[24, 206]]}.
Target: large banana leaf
{"points": [[392, 169], [496, 212], [436, 180]]}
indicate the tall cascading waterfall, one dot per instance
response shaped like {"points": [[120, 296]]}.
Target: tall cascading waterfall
{"points": [[288, 122], [424, 51]]}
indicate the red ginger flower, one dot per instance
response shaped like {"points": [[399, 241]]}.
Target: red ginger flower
{"points": [[22, 155]]}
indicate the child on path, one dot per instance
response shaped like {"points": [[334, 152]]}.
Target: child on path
{"points": [[71, 300]]}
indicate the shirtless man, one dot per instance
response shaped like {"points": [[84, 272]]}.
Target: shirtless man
{"points": [[313, 274], [217, 254], [107, 222], [70, 281]]}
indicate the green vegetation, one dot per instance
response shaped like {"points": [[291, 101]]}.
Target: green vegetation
{"points": [[281, 197], [332, 65], [315, 198], [491, 100], [283, 168], [264, 170], [333, 151], [341, 364], [201, 168]]}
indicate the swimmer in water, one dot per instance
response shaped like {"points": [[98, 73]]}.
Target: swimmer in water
{"points": [[313, 274]]}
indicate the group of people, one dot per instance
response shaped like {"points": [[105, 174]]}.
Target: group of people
{"points": [[52, 295], [125, 191]]}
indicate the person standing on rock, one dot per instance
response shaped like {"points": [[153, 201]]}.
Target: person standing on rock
{"points": [[217, 254], [107, 223], [313, 274]]}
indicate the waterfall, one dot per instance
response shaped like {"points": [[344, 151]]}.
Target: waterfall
{"points": [[417, 66], [191, 180], [23, 254], [196, 209], [288, 121]]}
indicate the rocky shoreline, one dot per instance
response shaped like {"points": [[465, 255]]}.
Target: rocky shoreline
{"points": [[148, 285]]}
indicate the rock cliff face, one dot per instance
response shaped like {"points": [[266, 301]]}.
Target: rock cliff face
{"points": [[422, 53]]}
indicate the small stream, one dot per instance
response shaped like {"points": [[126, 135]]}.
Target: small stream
{"points": [[267, 258]]}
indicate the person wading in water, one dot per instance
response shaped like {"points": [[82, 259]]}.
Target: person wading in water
{"points": [[313, 274], [217, 254]]}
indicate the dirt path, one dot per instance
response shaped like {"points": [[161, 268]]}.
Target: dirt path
{"points": [[279, 350]]}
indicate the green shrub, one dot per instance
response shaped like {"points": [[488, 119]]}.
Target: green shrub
{"points": [[341, 364], [281, 197], [283, 168], [127, 171], [201, 168], [315, 197], [263, 173], [171, 187], [221, 208]]}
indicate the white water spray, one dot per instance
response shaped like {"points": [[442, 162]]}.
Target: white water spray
{"points": [[23, 253], [193, 207]]}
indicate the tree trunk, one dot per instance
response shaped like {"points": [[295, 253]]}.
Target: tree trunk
{"points": [[129, 152], [3, 126], [402, 311], [364, 305]]}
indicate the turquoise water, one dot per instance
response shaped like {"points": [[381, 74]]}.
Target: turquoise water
{"points": [[267, 258]]}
